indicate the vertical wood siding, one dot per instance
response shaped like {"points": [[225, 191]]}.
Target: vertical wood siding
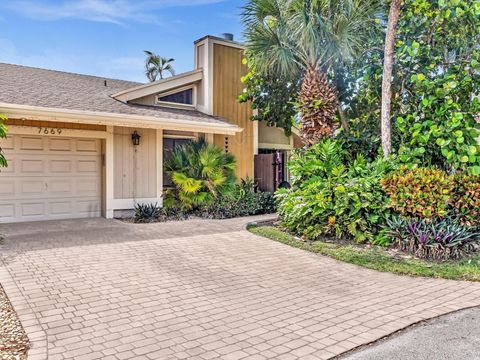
{"points": [[135, 173], [228, 70]]}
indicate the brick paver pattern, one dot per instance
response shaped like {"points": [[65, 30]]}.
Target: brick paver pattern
{"points": [[206, 290]]}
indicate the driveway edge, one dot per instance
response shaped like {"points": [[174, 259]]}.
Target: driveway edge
{"points": [[36, 335]]}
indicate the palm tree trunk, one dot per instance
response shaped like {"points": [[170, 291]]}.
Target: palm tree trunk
{"points": [[386, 126]]}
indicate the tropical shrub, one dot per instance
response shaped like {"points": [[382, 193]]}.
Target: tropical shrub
{"points": [[466, 198], [201, 172], [333, 198], [437, 239], [3, 135], [422, 192], [243, 201], [437, 82], [147, 213]]}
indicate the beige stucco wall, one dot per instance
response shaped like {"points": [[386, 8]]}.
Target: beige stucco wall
{"points": [[135, 174], [271, 135]]}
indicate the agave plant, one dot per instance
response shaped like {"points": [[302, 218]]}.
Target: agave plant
{"points": [[438, 239], [201, 172], [147, 213]]}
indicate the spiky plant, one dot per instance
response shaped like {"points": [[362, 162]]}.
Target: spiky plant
{"points": [[200, 172], [318, 106]]}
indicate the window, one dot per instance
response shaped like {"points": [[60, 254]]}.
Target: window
{"points": [[169, 146], [184, 97]]}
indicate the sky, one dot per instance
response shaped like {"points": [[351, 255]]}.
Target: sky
{"points": [[107, 37]]}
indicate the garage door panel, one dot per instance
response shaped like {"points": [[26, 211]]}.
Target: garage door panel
{"points": [[88, 206], [7, 188], [87, 186], [87, 145], [33, 209], [61, 166], [32, 166], [8, 143], [7, 211], [50, 178], [30, 188], [60, 187], [61, 207], [88, 166], [31, 143], [61, 144]]}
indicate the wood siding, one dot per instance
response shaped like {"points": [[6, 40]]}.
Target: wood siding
{"points": [[135, 172], [54, 124], [228, 70]]}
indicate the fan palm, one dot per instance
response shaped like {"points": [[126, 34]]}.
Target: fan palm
{"points": [[309, 38], [156, 65], [201, 172]]}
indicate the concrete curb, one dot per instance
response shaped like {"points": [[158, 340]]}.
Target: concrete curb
{"points": [[36, 335]]}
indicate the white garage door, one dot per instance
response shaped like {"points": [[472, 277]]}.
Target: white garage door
{"points": [[50, 178]]}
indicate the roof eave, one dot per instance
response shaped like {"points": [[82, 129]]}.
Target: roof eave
{"points": [[28, 112], [159, 86]]}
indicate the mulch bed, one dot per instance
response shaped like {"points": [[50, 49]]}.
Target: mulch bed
{"points": [[14, 342]]}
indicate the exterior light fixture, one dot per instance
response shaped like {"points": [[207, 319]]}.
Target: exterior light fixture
{"points": [[135, 138]]}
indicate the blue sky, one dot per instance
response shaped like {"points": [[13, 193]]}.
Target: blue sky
{"points": [[107, 37]]}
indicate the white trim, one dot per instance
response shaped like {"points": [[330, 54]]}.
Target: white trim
{"points": [[109, 174], [129, 204], [76, 133], [175, 136], [159, 86], [27, 112], [217, 40], [159, 163]]}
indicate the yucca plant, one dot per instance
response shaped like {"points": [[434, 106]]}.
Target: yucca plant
{"points": [[201, 172]]}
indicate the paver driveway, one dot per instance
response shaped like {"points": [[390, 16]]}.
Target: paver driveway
{"points": [[203, 290]]}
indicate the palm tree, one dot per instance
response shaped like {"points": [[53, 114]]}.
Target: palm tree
{"points": [[309, 39], [386, 125], [201, 172], [155, 66]]}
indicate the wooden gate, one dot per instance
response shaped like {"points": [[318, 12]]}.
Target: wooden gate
{"points": [[265, 172]]}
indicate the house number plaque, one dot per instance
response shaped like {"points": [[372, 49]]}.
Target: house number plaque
{"points": [[49, 131]]}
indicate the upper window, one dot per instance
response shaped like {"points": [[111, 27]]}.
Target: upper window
{"points": [[184, 97]]}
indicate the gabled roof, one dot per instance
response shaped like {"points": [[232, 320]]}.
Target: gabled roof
{"points": [[62, 91], [162, 85]]}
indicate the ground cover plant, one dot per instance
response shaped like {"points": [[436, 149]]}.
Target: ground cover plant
{"points": [[377, 257]]}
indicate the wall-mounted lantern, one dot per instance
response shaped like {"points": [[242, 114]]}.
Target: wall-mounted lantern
{"points": [[135, 138]]}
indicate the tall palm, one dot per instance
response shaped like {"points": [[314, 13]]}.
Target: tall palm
{"points": [[309, 38], [156, 65]]}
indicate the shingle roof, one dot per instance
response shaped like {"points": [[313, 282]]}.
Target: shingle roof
{"points": [[22, 85]]}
